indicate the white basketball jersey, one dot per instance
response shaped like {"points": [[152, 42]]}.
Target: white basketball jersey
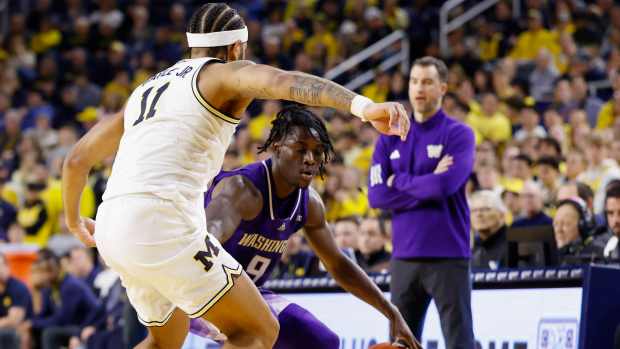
{"points": [[174, 141]]}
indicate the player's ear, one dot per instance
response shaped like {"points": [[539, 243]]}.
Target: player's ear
{"points": [[275, 147], [444, 88], [235, 51]]}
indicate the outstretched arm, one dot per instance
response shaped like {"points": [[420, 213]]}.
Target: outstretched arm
{"points": [[234, 199], [348, 274], [265, 82], [99, 143], [247, 81]]}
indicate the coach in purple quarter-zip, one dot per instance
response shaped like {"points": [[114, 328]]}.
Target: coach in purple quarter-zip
{"points": [[422, 181]]}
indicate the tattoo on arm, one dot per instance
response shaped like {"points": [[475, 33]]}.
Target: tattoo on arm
{"points": [[312, 90], [265, 82]]}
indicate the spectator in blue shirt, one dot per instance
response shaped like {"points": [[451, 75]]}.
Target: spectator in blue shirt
{"points": [[346, 235], [532, 206], [15, 306], [67, 303], [105, 330], [372, 237], [82, 265]]}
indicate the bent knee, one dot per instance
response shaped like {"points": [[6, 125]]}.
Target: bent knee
{"points": [[263, 333], [269, 331]]}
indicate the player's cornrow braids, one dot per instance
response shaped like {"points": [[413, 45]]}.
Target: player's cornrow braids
{"points": [[215, 17], [295, 115]]}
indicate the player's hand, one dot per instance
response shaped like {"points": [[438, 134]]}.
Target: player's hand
{"points": [[444, 164], [401, 333], [74, 343], [83, 229], [389, 118], [87, 332]]}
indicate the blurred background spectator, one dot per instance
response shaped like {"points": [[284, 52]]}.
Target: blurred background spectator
{"points": [[489, 226]]}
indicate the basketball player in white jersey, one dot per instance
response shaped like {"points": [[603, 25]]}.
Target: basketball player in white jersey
{"points": [[170, 142]]}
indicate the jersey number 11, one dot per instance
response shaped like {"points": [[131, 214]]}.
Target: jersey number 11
{"points": [[144, 101]]}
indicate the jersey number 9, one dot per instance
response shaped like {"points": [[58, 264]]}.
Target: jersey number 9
{"points": [[257, 267]]}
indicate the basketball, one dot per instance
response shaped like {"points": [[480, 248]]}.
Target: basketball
{"points": [[385, 346]]}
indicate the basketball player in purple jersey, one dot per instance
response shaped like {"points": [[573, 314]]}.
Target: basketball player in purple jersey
{"points": [[253, 211]]}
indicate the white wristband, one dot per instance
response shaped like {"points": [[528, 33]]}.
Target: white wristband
{"points": [[358, 104]]}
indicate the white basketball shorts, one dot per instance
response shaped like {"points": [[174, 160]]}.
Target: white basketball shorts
{"points": [[164, 255]]}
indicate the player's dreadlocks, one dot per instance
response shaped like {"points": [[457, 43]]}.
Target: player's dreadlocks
{"points": [[296, 115], [215, 17]]}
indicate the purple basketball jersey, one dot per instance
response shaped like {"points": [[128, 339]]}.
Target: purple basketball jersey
{"points": [[258, 244]]}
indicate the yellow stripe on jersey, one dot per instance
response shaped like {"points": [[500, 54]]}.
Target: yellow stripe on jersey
{"points": [[206, 104]]}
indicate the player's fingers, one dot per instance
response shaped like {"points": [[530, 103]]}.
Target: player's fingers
{"points": [[402, 111], [90, 225], [393, 117], [396, 122], [405, 122], [86, 237], [393, 123], [402, 343]]}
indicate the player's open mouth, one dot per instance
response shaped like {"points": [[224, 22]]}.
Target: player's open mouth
{"points": [[307, 175]]}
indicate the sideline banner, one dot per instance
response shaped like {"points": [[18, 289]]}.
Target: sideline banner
{"points": [[545, 318]]}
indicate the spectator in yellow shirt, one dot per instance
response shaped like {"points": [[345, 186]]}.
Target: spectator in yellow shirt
{"points": [[47, 38], [489, 122], [489, 41], [346, 198], [321, 37], [34, 215], [535, 38], [395, 16], [259, 125], [379, 89], [609, 112]]}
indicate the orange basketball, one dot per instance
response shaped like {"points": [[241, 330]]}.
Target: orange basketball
{"points": [[384, 346]]}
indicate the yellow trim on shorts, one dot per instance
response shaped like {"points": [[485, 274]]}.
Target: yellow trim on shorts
{"points": [[230, 282], [206, 104]]}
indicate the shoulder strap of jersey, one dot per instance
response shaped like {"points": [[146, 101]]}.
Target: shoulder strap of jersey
{"points": [[199, 64], [253, 172], [271, 194]]}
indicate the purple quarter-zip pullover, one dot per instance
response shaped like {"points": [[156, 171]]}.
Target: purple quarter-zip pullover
{"points": [[430, 211]]}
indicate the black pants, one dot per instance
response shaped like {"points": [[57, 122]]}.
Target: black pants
{"points": [[133, 331], [107, 339], [9, 338], [447, 281], [57, 337]]}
